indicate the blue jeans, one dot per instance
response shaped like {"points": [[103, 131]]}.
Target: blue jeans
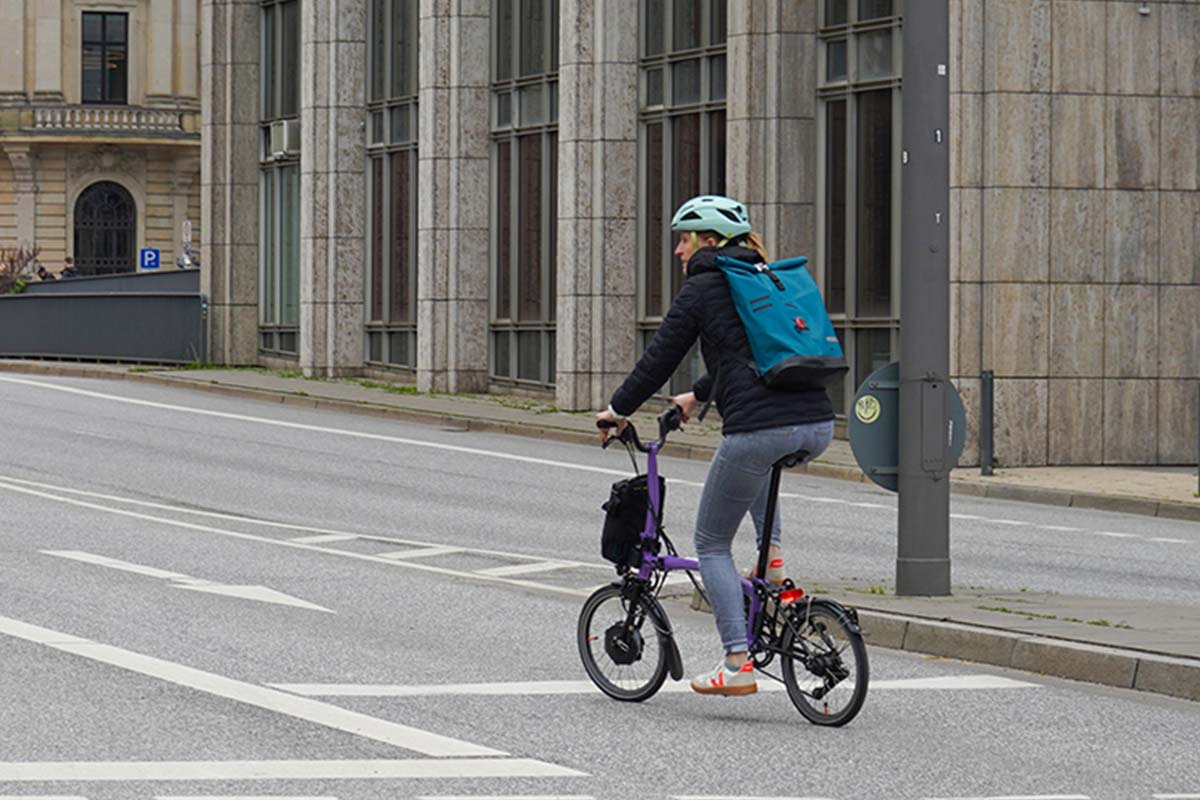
{"points": [[739, 481]]}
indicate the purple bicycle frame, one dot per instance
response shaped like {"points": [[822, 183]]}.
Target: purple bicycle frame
{"points": [[668, 563]]}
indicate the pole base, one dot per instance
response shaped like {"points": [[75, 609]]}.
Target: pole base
{"points": [[929, 577]]}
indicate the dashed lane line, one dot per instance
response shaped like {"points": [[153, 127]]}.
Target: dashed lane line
{"points": [[542, 688], [295, 545], [323, 714], [442, 446], [328, 535], [413, 768]]}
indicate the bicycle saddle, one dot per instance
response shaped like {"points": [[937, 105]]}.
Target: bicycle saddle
{"points": [[793, 459]]}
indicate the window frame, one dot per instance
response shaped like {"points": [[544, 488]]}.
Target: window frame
{"points": [[667, 114], [513, 131], [851, 327], [386, 143], [104, 45], [278, 334]]}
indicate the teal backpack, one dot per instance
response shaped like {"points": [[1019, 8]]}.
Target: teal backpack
{"points": [[791, 337]]}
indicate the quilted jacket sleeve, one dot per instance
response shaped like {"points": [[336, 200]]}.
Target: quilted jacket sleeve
{"points": [[671, 343], [703, 387]]}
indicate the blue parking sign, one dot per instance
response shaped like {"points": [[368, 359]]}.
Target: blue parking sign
{"points": [[151, 258]]}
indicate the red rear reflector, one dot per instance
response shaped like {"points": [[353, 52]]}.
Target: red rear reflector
{"points": [[790, 596]]}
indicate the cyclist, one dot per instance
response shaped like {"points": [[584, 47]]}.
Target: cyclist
{"points": [[760, 425]]}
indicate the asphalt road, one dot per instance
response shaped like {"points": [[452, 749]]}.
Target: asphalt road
{"points": [[211, 597]]}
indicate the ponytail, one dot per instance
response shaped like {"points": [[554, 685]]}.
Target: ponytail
{"points": [[752, 241]]}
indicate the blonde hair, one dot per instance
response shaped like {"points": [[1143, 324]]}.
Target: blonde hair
{"points": [[753, 241]]}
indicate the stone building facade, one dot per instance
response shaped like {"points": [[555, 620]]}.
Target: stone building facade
{"points": [[474, 194], [99, 129]]}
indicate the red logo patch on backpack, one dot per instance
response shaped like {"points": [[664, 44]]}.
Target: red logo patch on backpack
{"points": [[801, 325]]}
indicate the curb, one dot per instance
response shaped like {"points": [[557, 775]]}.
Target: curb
{"points": [[1120, 668], [1142, 506]]}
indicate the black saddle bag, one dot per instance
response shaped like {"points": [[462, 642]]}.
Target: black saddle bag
{"points": [[625, 519]]}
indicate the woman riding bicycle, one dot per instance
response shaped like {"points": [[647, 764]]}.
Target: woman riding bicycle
{"points": [[760, 425]]}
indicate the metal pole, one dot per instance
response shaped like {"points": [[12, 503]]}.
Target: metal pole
{"points": [[923, 552], [986, 429]]}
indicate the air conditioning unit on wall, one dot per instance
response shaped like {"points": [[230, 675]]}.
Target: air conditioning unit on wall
{"points": [[285, 138]]}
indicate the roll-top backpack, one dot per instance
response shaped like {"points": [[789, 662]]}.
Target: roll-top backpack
{"points": [[790, 334]]}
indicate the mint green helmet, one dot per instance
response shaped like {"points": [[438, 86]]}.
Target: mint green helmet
{"points": [[712, 212]]}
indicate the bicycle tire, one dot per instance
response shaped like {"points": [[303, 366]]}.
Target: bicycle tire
{"points": [[590, 639], [821, 627]]}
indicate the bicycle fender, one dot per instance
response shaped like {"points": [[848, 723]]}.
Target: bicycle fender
{"points": [[674, 659], [847, 614]]}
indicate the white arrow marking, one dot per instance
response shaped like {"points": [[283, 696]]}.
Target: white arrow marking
{"points": [[260, 593]]}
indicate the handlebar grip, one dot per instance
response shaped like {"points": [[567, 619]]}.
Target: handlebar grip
{"points": [[604, 424]]}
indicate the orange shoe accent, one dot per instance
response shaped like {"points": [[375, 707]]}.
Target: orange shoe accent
{"points": [[747, 667], [776, 564]]}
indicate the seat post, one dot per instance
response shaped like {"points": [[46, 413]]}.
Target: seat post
{"points": [[769, 521]]}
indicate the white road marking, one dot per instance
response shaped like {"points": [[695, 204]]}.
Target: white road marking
{"points": [[260, 594], [1176, 796], [424, 552], [534, 688], [329, 716], [506, 797], [323, 538], [435, 445], [434, 768], [1065, 528], [1020, 797], [239, 797], [329, 535], [310, 547], [738, 797], [1169, 540], [1116, 535], [41, 797], [523, 569]]}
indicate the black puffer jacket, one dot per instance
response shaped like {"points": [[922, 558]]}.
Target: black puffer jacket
{"points": [[704, 308]]}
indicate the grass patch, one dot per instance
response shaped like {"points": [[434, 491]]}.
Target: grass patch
{"points": [[391, 388]]}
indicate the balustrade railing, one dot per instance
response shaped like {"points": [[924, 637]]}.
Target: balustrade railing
{"points": [[108, 118]]}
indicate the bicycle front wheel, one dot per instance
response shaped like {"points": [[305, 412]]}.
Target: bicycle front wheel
{"points": [[622, 647], [824, 665]]}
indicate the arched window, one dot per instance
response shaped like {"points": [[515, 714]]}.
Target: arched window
{"points": [[105, 230]]}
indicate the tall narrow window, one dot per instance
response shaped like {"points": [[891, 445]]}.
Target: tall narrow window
{"points": [[682, 143], [105, 58], [859, 238], [391, 329], [525, 196], [279, 178]]}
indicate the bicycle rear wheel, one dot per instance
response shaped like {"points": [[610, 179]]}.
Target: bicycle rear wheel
{"points": [[824, 665], [623, 650]]}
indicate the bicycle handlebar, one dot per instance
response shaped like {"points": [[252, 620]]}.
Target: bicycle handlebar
{"points": [[668, 421]]}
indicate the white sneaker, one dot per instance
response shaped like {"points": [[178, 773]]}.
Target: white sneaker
{"points": [[725, 681]]}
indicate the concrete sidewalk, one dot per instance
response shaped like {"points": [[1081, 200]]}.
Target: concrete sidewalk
{"points": [[1152, 647]]}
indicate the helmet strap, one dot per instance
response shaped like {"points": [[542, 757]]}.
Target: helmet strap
{"points": [[695, 240]]}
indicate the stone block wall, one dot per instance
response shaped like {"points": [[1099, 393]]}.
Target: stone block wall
{"points": [[1075, 262]]}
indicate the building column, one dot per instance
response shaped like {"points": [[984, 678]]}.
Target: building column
{"points": [[771, 121], [47, 51], [229, 209], [12, 44], [24, 166], [184, 82], [332, 186], [160, 53], [597, 200], [454, 169]]}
